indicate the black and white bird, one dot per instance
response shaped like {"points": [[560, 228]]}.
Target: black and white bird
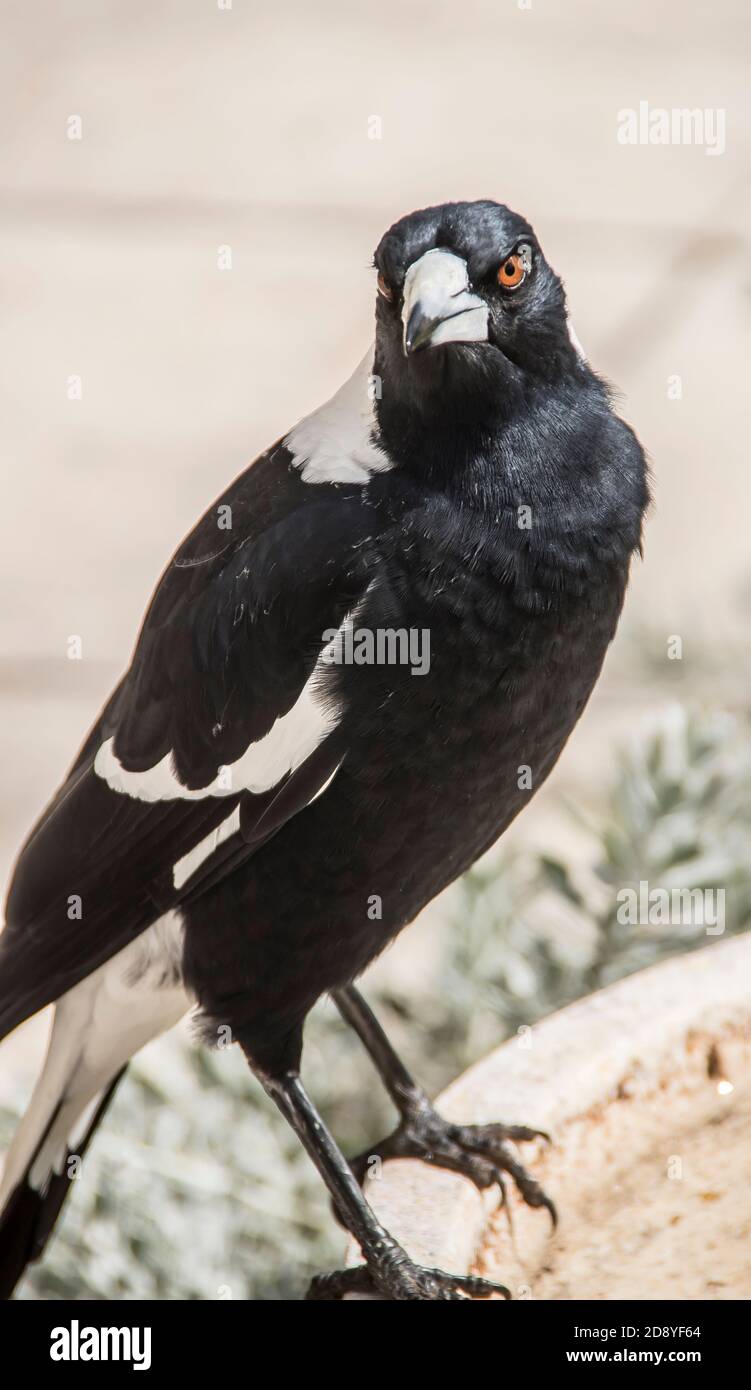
{"points": [[251, 788]]}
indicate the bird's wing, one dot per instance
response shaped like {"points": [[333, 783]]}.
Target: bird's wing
{"points": [[218, 733]]}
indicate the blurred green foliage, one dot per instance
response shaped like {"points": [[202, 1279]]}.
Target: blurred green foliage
{"points": [[195, 1187]]}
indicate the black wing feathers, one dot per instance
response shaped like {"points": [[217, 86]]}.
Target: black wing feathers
{"points": [[230, 638]]}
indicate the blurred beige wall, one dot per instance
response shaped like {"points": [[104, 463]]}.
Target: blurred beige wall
{"points": [[249, 128]]}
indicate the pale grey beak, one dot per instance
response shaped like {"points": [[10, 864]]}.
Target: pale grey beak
{"points": [[438, 305]]}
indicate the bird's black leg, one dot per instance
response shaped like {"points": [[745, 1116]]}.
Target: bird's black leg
{"points": [[388, 1269], [482, 1152]]}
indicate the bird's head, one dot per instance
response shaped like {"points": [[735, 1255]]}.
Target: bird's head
{"points": [[468, 311]]}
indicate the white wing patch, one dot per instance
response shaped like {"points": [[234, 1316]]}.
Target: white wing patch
{"points": [[290, 740], [198, 855], [206, 847], [336, 443]]}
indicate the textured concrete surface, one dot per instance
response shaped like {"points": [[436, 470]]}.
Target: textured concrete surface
{"points": [[644, 1088]]}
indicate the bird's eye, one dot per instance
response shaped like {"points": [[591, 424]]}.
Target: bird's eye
{"points": [[514, 269], [384, 287]]}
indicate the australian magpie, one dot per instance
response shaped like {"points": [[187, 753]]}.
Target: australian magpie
{"points": [[268, 797]]}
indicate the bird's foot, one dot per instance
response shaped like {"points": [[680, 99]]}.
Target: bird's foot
{"points": [[483, 1153], [392, 1274]]}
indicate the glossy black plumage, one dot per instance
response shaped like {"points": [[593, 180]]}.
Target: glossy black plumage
{"points": [[504, 526], [520, 621]]}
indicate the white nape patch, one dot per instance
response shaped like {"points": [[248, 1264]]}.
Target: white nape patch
{"points": [[576, 345], [336, 443], [206, 847], [290, 740], [439, 283]]}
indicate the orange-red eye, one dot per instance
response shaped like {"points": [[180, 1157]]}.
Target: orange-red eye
{"points": [[384, 287], [512, 271]]}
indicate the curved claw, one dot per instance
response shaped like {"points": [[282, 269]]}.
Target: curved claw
{"points": [[519, 1134], [481, 1152], [529, 1188], [552, 1210], [475, 1286]]}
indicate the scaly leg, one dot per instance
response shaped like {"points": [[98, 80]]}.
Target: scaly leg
{"points": [[481, 1152], [388, 1269]]}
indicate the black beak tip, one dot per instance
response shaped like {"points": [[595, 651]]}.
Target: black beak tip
{"points": [[418, 333]]}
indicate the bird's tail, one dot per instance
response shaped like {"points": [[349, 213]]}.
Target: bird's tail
{"points": [[36, 1180], [99, 1025]]}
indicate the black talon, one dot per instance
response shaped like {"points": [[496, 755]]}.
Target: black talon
{"points": [[480, 1152], [401, 1280], [477, 1287], [552, 1210], [519, 1134]]}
